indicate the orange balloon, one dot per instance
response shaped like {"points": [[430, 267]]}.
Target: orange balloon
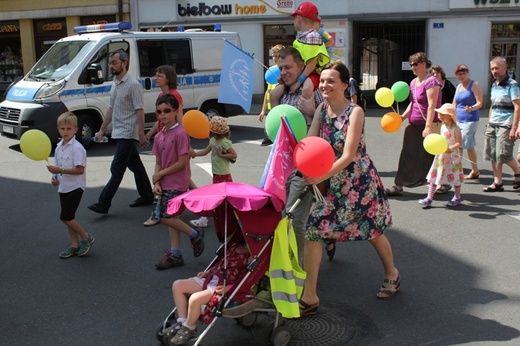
{"points": [[196, 124], [391, 122]]}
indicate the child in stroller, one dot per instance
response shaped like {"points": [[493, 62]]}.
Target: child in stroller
{"points": [[204, 289]]}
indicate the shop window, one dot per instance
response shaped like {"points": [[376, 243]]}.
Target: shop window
{"points": [[174, 52]]}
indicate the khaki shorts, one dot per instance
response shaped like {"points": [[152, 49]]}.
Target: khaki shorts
{"points": [[497, 145]]}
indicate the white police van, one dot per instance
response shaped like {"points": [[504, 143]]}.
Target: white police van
{"points": [[73, 75]]}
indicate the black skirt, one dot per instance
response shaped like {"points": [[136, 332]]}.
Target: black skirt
{"points": [[414, 162]]}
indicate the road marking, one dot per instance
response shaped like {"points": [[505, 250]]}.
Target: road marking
{"points": [[206, 167], [515, 216]]}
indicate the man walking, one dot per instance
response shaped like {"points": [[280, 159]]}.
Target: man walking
{"points": [[126, 112], [502, 128], [291, 66]]}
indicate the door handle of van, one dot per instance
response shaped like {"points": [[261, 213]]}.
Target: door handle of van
{"points": [[147, 83]]}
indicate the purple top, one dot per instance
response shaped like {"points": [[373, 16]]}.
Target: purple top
{"points": [[419, 98]]}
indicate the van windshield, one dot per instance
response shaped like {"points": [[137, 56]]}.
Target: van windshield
{"points": [[60, 60]]}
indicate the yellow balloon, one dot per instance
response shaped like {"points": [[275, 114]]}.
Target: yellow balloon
{"points": [[435, 144], [384, 97], [196, 124], [391, 122], [36, 145]]}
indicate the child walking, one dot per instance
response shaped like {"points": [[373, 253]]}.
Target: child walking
{"points": [[447, 167], [171, 178], [312, 49], [222, 154], [69, 175], [201, 289]]}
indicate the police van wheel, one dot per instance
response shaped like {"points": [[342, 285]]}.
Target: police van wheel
{"points": [[248, 320], [280, 336], [85, 130], [212, 109]]}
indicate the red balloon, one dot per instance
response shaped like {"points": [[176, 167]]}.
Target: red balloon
{"points": [[313, 156]]}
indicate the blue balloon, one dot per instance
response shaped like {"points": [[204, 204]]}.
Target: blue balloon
{"points": [[272, 74]]}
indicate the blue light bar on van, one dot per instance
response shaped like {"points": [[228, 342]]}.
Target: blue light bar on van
{"points": [[120, 26]]}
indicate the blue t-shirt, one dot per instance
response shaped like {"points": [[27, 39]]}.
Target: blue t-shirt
{"points": [[502, 96]]}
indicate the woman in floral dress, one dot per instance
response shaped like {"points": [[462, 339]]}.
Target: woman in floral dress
{"points": [[355, 206]]}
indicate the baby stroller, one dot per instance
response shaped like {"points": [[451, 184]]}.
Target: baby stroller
{"points": [[244, 214]]}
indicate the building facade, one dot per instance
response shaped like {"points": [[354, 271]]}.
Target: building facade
{"points": [[373, 37]]}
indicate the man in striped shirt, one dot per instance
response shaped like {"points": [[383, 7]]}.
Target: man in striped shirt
{"points": [[126, 112]]}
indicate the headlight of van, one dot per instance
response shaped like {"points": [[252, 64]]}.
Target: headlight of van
{"points": [[50, 89]]}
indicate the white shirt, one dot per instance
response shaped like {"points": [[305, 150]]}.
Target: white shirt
{"points": [[69, 156]]}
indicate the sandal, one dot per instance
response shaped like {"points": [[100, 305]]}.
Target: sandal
{"points": [[306, 309], [443, 189], [494, 188], [472, 176], [516, 183], [183, 335], [332, 250], [394, 191], [389, 288]]}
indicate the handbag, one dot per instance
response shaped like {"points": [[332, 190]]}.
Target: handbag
{"points": [[435, 127]]}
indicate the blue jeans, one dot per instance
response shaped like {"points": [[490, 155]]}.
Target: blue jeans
{"points": [[126, 155]]}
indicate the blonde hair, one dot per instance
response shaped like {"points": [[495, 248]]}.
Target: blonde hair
{"points": [[277, 48], [67, 118]]}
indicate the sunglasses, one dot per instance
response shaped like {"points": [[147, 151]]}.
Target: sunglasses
{"points": [[165, 111], [413, 64]]}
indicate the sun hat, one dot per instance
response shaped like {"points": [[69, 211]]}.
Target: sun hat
{"points": [[448, 109], [307, 10], [218, 125]]}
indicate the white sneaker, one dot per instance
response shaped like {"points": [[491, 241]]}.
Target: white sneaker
{"points": [[200, 223], [150, 222]]}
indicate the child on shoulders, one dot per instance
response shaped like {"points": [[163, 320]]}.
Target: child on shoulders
{"points": [[312, 49]]}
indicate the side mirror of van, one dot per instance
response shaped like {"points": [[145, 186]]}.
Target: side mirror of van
{"points": [[95, 73]]}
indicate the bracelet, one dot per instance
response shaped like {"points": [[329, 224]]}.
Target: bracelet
{"points": [[302, 78], [471, 107], [62, 171]]}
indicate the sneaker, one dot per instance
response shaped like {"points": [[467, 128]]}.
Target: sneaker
{"points": [[197, 244], [84, 245], [69, 252], [183, 335], [150, 222], [200, 223], [455, 202], [169, 261], [266, 141], [426, 203]]}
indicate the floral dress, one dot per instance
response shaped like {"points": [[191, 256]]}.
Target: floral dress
{"points": [[355, 206], [447, 167]]}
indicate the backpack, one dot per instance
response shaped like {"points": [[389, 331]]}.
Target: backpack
{"points": [[357, 90]]}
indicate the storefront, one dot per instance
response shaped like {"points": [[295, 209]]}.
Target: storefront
{"points": [[11, 64]]}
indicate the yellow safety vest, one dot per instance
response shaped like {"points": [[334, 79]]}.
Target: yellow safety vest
{"points": [[286, 275], [270, 87]]}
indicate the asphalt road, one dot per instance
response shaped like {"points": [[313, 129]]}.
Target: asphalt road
{"points": [[459, 268]]}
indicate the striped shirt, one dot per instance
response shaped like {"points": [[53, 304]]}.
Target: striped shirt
{"points": [[126, 97], [290, 98], [502, 96]]}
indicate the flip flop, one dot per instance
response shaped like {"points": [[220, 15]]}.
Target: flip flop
{"points": [[306, 309]]}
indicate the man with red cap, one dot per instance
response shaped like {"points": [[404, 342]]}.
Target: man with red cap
{"points": [[311, 48]]}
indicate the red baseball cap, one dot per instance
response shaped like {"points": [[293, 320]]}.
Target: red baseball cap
{"points": [[307, 10]]}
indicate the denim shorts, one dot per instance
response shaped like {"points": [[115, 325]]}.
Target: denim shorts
{"points": [[468, 129]]}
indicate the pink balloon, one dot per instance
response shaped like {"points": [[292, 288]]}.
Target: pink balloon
{"points": [[313, 156]]}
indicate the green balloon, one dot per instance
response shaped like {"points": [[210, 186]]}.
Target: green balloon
{"points": [[401, 91], [294, 116]]}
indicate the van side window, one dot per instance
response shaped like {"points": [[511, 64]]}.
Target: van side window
{"points": [[154, 53], [101, 58]]}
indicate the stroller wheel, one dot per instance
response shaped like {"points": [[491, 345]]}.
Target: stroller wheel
{"points": [[280, 336], [159, 333], [248, 320]]}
